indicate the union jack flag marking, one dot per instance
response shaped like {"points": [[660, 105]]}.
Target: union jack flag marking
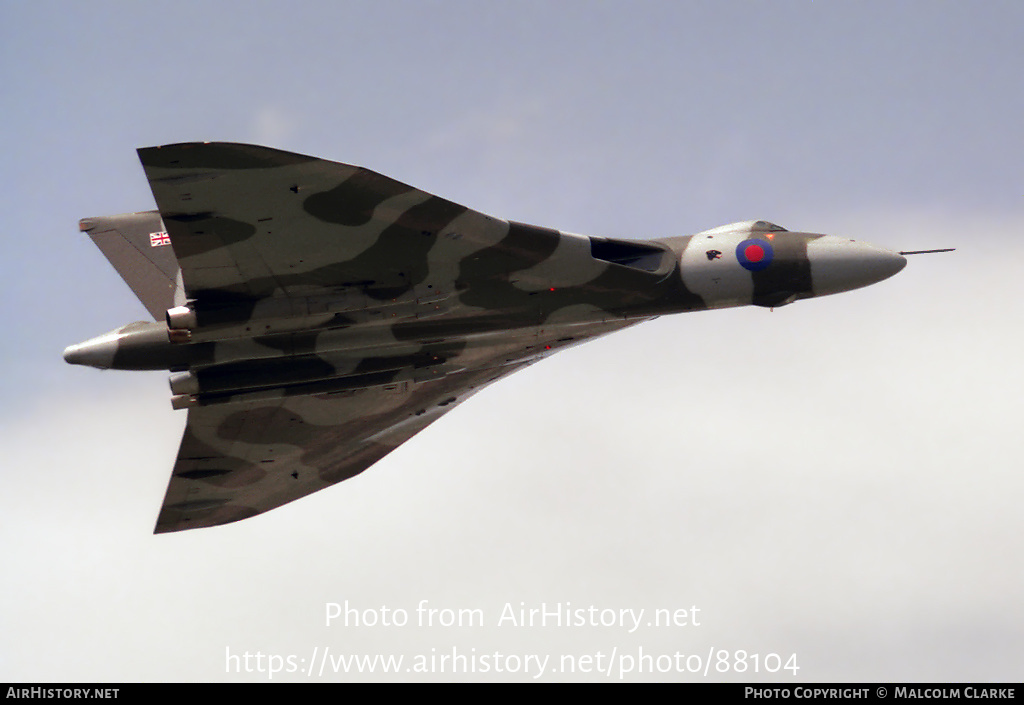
{"points": [[159, 239]]}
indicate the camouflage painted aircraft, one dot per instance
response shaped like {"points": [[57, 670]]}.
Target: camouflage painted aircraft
{"points": [[314, 315]]}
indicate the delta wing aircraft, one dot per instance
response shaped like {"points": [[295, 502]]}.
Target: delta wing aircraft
{"points": [[314, 316]]}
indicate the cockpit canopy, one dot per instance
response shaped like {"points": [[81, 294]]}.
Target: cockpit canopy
{"points": [[752, 226], [763, 226]]}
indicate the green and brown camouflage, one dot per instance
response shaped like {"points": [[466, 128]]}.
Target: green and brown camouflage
{"points": [[315, 315]]}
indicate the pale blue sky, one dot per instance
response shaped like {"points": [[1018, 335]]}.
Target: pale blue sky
{"points": [[856, 501]]}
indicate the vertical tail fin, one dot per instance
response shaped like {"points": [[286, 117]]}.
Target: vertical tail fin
{"points": [[138, 247]]}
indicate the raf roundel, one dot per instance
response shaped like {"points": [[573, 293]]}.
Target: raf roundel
{"points": [[754, 255]]}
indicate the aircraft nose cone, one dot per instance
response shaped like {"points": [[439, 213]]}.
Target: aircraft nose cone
{"points": [[75, 354], [838, 264]]}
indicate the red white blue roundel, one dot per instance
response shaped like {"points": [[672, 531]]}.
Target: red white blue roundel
{"points": [[754, 255]]}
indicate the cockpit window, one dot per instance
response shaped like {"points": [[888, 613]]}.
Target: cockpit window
{"points": [[763, 226], [746, 226]]}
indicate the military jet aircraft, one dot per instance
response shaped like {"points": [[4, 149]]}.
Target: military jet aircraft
{"points": [[314, 315]]}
